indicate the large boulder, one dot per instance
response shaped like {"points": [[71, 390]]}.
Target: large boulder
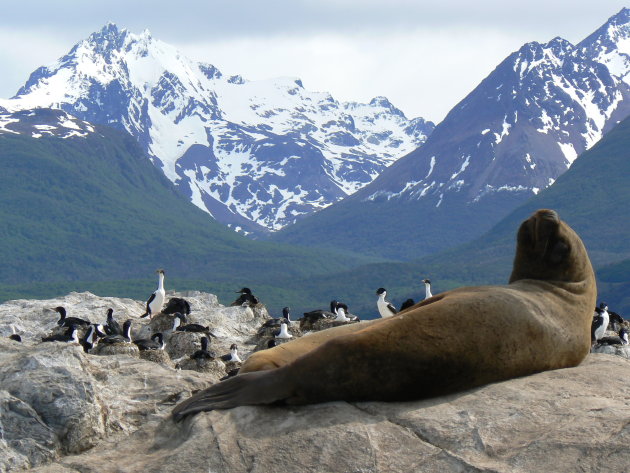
{"points": [[57, 400], [568, 420], [66, 411]]}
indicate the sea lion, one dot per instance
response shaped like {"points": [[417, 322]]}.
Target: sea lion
{"points": [[539, 321]]}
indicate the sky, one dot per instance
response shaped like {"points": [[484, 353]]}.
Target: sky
{"points": [[424, 56]]}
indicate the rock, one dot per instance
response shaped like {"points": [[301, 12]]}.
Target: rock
{"points": [[183, 344], [214, 368], [231, 366], [161, 323], [618, 350], [26, 439], [566, 420], [106, 349], [65, 411], [156, 356], [260, 311], [56, 400], [323, 324], [51, 379], [34, 319]]}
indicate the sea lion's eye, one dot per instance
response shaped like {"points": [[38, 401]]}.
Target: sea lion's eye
{"points": [[559, 252]]}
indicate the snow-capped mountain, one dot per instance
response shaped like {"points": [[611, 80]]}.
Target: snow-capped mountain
{"points": [[524, 124], [38, 123], [511, 137], [254, 154]]}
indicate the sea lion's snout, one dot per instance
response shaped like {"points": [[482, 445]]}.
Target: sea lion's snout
{"points": [[548, 214], [543, 228], [537, 230]]}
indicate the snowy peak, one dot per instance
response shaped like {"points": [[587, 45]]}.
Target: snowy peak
{"points": [[610, 45], [109, 39], [524, 125], [256, 155]]}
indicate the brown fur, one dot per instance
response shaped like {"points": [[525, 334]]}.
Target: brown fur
{"points": [[456, 340]]}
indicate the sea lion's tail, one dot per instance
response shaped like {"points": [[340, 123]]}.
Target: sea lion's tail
{"points": [[261, 387]]}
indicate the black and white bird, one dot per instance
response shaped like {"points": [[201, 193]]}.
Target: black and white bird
{"points": [[233, 355], [600, 322], [315, 315], [385, 308], [90, 337], [342, 314], [14, 335], [71, 335], [111, 326], [284, 331], [275, 322], [230, 374], [156, 342], [156, 300], [427, 288], [178, 325], [616, 320], [125, 337], [67, 321], [246, 298], [622, 339], [177, 304], [204, 353]]}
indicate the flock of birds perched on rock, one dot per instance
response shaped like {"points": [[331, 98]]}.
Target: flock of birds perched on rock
{"points": [[166, 335], [170, 320], [603, 319]]}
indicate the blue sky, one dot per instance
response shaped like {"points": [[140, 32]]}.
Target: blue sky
{"points": [[424, 56]]}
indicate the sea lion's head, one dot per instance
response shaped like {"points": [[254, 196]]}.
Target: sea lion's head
{"points": [[548, 249]]}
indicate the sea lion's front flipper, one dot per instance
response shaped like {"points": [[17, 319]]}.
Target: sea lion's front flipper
{"points": [[261, 387]]}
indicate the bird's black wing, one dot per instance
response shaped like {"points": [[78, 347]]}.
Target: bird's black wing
{"points": [[149, 300], [615, 317]]}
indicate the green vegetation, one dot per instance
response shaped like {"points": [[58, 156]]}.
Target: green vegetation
{"points": [[396, 230], [95, 215], [78, 213], [593, 196]]}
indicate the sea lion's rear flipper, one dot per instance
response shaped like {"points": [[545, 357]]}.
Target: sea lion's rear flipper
{"points": [[262, 387]]}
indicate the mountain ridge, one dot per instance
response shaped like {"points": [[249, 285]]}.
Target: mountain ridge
{"points": [[224, 141], [93, 208], [508, 139]]}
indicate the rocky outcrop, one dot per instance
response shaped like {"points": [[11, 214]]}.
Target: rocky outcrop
{"points": [[569, 420], [619, 350], [65, 411], [56, 400]]}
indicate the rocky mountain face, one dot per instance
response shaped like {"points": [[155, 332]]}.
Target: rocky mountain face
{"points": [[63, 411], [511, 137], [524, 125], [256, 155], [40, 122]]}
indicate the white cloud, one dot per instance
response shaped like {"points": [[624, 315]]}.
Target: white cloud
{"points": [[423, 56]]}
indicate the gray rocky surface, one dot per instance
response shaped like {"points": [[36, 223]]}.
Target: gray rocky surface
{"points": [[65, 411]]}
